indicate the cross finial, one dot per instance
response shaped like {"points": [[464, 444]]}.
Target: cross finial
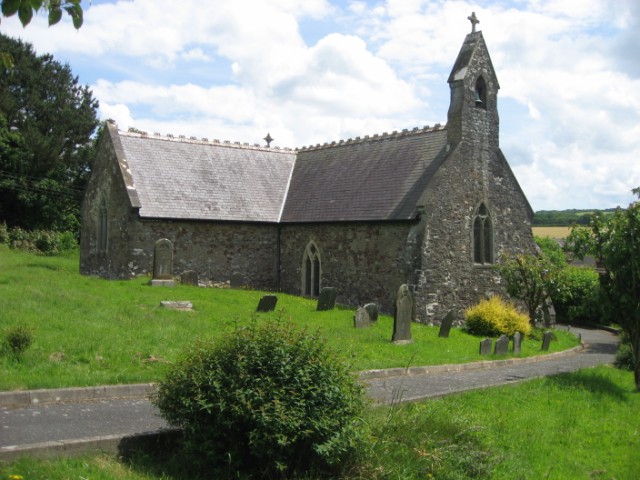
{"points": [[268, 139], [474, 21]]}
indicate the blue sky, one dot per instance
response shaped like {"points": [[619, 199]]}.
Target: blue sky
{"points": [[315, 71]]}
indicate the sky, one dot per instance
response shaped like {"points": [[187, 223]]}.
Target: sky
{"points": [[316, 71]]}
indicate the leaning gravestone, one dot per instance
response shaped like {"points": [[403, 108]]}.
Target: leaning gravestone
{"points": [[445, 326], [173, 305], [517, 342], [327, 299], [546, 341], [372, 309], [502, 345], [361, 319], [485, 346], [403, 316], [267, 303], [190, 277], [163, 263]]}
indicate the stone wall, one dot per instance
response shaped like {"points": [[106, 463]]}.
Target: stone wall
{"points": [[365, 262]]}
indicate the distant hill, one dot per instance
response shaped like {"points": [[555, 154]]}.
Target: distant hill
{"points": [[565, 218]]}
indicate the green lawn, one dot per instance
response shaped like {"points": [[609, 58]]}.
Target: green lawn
{"points": [[90, 331]]}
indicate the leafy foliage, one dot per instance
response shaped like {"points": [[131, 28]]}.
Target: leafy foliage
{"points": [[267, 396], [44, 242], [17, 340], [575, 295], [552, 249], [46, 150], [494, 317], [27, 8], [529, 278], [615, 241]]}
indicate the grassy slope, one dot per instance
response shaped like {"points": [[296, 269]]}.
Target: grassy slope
{"points": [[90, 331]]}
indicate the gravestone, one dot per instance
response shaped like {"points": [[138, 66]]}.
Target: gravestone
{"points": [[485, 346], [327, 299], [517, 342], [404, 315], [267, 303], [237, 280], [372, 309], [190, 277], [172, 305], [546, 341], [445, 325], [362, 318], [502, 345], [163, 263]]}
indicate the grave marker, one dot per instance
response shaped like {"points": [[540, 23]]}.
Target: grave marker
{"points": [[485, 346], [327, 299], [267, 303], [372, 308], [404, 315], [361, 319], [502, 345], [173, 305], [546, 341], [190, 277], [445, 325], [163, 263], [517, 343]]}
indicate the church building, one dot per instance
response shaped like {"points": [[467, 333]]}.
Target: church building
{"points": [[433, 207]]}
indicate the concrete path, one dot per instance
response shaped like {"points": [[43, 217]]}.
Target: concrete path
{"points": [[94, 420]]}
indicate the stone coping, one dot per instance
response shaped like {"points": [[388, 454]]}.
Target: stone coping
{"points": [[29, 398]]}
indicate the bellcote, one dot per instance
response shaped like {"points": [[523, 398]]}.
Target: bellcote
{"points": [[474, 91]]}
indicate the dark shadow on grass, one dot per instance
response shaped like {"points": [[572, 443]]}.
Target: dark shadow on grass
{"points": [[44, 266], [591, 381]]}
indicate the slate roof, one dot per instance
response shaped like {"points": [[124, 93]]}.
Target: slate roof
{"points": [[377, 178], [199, 180]]}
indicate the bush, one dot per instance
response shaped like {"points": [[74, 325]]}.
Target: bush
{"points": [[552, 249], [624, 355], [4, 233], [46, 242], [494, 317], [17, 340], [267, 398], [575, 295]]}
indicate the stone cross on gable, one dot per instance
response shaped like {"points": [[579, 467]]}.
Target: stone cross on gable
{"points": [[474, 21]]}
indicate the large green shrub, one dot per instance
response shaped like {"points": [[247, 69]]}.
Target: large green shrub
{"points": [[495, 317], [46, 242], [268, 399], [575, 295], [552, 249]]}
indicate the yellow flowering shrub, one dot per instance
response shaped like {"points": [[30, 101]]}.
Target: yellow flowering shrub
{"points": [[495, 317]]}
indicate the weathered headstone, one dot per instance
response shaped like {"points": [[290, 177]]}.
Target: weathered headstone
{"points": [[485, 346], [372, 308], [190, 277], [502, 345], [267, 303], [445, 325], [361, 319], [517, 342], [163, 263], [327, 299], [172, 305], [404, 315], [546, 341]]}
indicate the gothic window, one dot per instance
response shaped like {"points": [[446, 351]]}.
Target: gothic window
{"points": [[481, 93], [482, 237], [103, 225], [311, 271]]}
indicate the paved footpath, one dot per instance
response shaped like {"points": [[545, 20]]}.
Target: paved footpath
{"points": [[46, 427]]}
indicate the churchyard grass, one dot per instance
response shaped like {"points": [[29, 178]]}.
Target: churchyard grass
{"points": [[581, 425], [89, 331]]}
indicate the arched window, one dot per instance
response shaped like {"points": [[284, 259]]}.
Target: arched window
{"points": [[481, 93], [482, 236], [103, 228], [311, 271]]}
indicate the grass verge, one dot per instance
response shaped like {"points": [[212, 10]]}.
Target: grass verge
{"points": [[581, 425]]}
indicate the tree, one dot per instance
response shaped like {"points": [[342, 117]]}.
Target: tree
{"points": [[46, 125], [531, 279], [616, 242]]}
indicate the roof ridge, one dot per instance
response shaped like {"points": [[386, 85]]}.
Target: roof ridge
{"points": [[202, 141], [376, 137]]}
